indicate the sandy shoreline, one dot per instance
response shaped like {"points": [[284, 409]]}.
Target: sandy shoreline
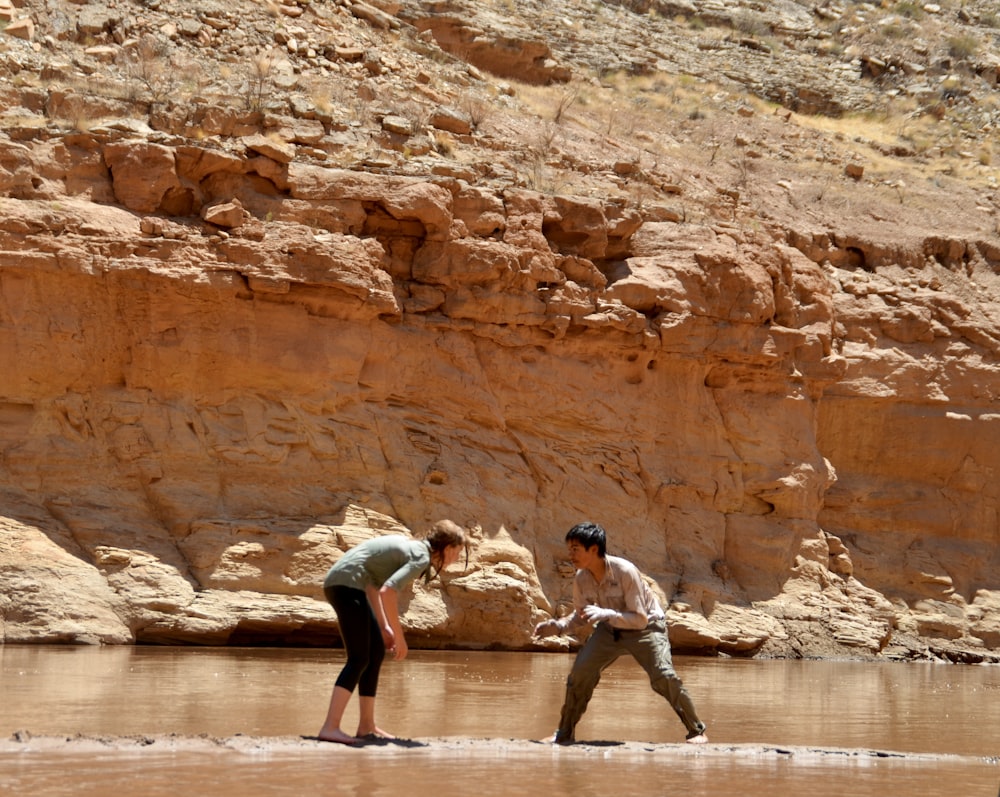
{"points": [[24, 742]]}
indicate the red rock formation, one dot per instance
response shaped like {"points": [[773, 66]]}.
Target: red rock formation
{"points": [[224, 363]]}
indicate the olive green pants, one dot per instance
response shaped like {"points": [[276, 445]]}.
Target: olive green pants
{"points": [[651, 648]]}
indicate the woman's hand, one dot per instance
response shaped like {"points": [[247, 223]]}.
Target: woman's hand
{"points": [[388, 637], [386, 606]]}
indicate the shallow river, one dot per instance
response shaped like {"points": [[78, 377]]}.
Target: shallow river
{"points": [[808, 715]]}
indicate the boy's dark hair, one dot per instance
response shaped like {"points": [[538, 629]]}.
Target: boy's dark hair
{"points": [[589, 534]]}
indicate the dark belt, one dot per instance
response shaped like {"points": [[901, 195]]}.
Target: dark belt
{"points": [[653, 625]]}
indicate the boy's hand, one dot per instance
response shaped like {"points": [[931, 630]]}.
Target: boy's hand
{"points": [[595, 614]]}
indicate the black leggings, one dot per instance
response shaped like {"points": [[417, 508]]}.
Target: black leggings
{"points": [[362, 640]]}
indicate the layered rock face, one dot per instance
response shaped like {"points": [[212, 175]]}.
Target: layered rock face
{"points": [[222, 367], [195, 423]]}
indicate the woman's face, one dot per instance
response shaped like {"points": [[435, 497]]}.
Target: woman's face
{"points": [[451, 554]]}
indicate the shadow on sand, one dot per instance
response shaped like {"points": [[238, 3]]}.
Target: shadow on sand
{"points": [[371, 741]]}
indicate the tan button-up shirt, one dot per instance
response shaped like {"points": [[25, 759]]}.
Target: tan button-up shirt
{"points": [[622, 589]]}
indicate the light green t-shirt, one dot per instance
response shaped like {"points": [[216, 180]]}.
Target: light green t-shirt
{"points": [[390, 561]]}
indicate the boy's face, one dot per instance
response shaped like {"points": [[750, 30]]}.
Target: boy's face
{"points": [[581, 557]]}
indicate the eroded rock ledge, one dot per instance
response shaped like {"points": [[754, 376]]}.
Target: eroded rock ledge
{"points": [[200, 416], [225, 360]]}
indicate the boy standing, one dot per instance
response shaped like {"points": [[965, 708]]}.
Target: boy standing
{"points": [[609, 594]]}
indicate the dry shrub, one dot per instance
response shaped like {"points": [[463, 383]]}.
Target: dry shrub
{"points": [[148, 66], [258, 81]]}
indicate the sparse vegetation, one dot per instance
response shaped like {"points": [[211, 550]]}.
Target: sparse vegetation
{"points": [[258, 85], [963, 46], [477, 107], [910, 10], [444, 144], [615, 110], [750, 24], [148, 66], [567, 97]]}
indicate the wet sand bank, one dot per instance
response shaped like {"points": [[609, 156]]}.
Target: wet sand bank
{"points": [[24, 742]]}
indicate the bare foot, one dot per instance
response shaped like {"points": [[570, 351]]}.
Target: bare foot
{"points": [[699, 739], [337, 736], [377, 733]]}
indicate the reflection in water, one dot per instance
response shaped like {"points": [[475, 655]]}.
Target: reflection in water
{"points": [[515, 776], [919, 708]]}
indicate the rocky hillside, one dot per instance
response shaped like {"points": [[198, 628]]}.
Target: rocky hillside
{"points": [[278, 276]]}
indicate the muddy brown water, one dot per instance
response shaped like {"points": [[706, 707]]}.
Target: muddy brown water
{"points": [[224, 721]]}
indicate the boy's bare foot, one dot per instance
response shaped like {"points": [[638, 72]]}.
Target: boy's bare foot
{"points": [[339, 737], [699, 739]]}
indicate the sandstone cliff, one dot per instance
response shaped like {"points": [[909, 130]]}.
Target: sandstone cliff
{"points": [[427, 260]]}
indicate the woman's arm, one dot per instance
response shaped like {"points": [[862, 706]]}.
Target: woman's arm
{"points": [[385, 604]]}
